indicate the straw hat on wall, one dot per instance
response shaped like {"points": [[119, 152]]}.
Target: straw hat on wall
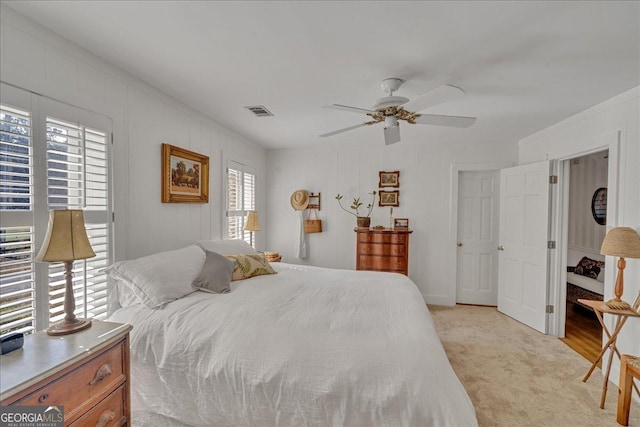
{"points": [[300, 200]]}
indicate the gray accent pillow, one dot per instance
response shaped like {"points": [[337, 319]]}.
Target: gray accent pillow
{"points": [[215, 275]]}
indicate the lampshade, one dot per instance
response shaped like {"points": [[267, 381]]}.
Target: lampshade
{"points": [[252, 222], [621, 242], [66, 238]]}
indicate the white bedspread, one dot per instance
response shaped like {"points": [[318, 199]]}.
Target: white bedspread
{"points": [[306, 347]]}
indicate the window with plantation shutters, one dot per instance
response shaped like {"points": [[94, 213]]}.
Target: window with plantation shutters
{"points": [[77, 178], [17, 291], [72, 145], [241, 185]]}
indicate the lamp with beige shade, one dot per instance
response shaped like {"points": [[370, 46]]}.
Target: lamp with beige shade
{"points": [[66, 241], [623, 242], [251, 224]]}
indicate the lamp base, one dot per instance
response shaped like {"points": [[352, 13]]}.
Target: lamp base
{"points": [[617, 305], [66, 327]]}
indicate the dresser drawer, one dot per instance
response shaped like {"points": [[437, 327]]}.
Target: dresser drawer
{"points": [[382, 263], [107, 413], [382, 249], [382, 238], [87, 382]]}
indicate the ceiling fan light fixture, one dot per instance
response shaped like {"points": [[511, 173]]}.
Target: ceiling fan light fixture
{"points": [[390, 121]]}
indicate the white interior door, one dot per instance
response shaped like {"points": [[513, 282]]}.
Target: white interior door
{"points": [[477, 258], [524, 231]]}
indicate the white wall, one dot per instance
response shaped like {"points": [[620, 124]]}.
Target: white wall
{"points": [[425, 198], [587, 174], [585, 132], [38, 60]]}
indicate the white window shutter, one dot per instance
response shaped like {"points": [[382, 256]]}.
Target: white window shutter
{"points": [[17, 292], [77, 178], [241, 197]]}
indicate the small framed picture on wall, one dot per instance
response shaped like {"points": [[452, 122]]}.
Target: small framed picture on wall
{"points": [[389, 179], [389, 198]]}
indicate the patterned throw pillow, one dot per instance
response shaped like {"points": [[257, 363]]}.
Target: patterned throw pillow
{"points": [[250, 265], [588, 267]]}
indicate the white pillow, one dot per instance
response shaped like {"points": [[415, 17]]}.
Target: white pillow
{"points": [[227, 247], [160, 278], [126, 296]]}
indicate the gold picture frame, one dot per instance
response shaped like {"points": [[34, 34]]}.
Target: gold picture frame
{"points": [[389, 179], [185, 176], [389, 198]]}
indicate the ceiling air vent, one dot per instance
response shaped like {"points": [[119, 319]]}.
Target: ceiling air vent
{"points": [[259, 110]]}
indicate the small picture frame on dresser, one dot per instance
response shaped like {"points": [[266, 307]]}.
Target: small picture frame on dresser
{"points": [[401, 223]]}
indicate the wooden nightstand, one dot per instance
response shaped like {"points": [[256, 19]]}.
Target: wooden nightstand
{"points": [[600, 308], [86, 372]]}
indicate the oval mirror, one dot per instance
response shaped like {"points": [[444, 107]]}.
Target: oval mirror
{"points": [[599, 205]]}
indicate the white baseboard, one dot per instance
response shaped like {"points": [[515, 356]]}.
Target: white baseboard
{"points": [[438, 300]]}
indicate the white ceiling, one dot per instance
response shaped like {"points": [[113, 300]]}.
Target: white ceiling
{"points": [[524, 65]]}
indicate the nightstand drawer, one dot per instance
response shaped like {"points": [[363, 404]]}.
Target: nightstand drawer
{"points": [[89, 381], [109, 412]]}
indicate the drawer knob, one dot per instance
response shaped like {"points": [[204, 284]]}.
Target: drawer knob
{"points": [[43, 397], [105, 417], [103, 372]]}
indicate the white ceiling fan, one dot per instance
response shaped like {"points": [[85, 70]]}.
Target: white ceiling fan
{"points": [[392, 108]]}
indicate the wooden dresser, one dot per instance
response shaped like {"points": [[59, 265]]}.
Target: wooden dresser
{"points": [[86, 372], [382, 250]]}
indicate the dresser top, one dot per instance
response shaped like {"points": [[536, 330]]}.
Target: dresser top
{"points": [[383, 230], [43, 355]]}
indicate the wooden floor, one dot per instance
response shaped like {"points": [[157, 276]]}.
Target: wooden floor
{"points": [[583, 333]]}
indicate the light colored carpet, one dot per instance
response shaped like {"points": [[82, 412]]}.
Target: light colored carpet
{"points": [[516, 376]]}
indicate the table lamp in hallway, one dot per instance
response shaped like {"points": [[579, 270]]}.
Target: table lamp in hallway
{"points": [[66, 241], [623, 242]]}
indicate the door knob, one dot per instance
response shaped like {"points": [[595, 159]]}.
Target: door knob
{"points": [[459, 244], [501, 248]]}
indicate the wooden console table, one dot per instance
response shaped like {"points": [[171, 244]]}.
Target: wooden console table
{"points": [[382, 250], [600, 308]]}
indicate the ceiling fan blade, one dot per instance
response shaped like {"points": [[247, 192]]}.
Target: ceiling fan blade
{"points": [[335, 132], [436, 96], [391, 135], [352, 109], [452, 121]]}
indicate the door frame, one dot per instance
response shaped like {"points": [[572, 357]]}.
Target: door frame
{"points": [[560, 220], [456, 168]]}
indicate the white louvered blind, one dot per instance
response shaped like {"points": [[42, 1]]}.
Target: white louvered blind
{"points": [[241, 186], [77, 178], [17, 292]]}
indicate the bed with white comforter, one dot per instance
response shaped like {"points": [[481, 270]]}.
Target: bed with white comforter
{"points": [[305, 347]]}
